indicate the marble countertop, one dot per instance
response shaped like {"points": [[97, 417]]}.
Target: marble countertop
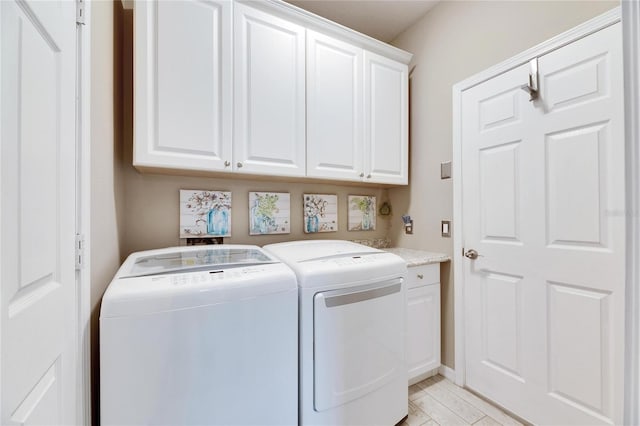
{"points": [[418, 257]]}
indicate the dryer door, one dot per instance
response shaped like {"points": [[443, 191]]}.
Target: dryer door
{"points": [[359, 341]]}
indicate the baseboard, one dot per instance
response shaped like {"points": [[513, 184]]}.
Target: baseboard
{"points": [[447, 372], [424, 376]]}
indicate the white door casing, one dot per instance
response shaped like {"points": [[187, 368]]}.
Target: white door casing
{"points": [[183, 85], [38, 316], [269, 94], [543, 196], [631, 53]]}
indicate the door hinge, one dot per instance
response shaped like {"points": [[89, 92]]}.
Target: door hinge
{"points": [[79, 251], [80, 12]]}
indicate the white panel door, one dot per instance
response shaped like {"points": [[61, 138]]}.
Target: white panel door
{"points": [[334, 108], [183, 84], [386, 120], [38, 312], [543, 197], [269, 97]]}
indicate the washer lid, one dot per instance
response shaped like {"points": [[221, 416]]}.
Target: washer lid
{"points": [[181, 259], [309, 250], [334, 263], [187, 277]]}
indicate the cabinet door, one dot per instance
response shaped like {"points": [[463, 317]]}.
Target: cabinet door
{"points": [[386, 120], [183, 84], [269, 100], [423, 329], [334, 108]]}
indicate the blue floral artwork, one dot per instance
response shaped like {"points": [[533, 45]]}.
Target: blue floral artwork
{"points": [[205, 213], [320, 213], [362, 213], [269, 213]]}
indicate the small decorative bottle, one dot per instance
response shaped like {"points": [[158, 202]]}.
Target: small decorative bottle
{"points": [[366, 220]]}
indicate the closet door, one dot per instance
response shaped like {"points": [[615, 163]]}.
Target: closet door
{"points": [[40, 360], [334, 108], [269, 100], [543, 196], [183, 84]]}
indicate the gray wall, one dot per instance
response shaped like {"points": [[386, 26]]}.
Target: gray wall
{"points": [[107, 198]]}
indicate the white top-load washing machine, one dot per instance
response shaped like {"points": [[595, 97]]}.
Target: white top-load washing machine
{"points": [[352, 332], [203, 335]]}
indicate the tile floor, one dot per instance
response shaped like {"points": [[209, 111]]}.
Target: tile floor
{"points": [[437, 401]]}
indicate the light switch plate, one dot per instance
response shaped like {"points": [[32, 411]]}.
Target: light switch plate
{"points": [[445, 170], [445, 228]]}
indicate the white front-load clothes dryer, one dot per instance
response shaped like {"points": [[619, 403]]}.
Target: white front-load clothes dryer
{"points": [[352, 332], [202, 335]]}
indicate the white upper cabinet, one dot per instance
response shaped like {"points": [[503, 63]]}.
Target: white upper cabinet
{"points": [[356, 113], [334, 108], [264, 88], [386, 120], [182, 85], [269, 114]]}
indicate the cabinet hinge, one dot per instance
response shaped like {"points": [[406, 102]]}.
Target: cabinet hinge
{"points": [[80, 12], [79, 251]]}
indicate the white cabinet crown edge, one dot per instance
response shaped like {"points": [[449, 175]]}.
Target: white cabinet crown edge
{"points": [[321, 24]]}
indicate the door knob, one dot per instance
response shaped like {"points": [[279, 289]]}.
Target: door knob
{"points": [[471, 254], [239, 164], [227, 163]]}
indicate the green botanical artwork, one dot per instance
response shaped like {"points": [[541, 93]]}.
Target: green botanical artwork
{"points": [[269, 213], [362, 213]]}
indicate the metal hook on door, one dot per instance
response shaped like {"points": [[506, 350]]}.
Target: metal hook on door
{"points": [[533, 87]]}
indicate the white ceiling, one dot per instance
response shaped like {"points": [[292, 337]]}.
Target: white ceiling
{"points": [[380, 19]]}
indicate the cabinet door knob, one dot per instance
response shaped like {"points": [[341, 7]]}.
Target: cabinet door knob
{"points": [[361, 174], [369, 176], [420, 276], [227, 163], [239, 164]]}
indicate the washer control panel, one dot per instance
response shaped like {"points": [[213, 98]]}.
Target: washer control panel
{"points": [[207, 277]]}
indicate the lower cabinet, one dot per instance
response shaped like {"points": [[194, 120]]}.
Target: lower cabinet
{"points": [[423, 321]]}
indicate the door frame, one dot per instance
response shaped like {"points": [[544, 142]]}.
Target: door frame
{"points": [[83, 214], [600, 22], [631, 67]]}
